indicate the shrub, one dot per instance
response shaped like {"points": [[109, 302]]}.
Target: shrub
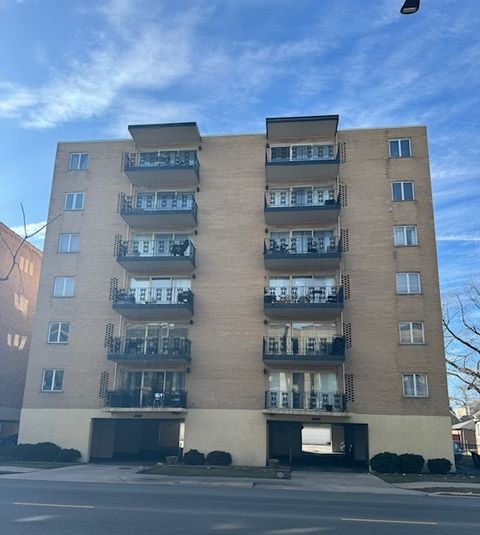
{"points": [[194, 457], [20, 452], [439, 466], [385, 463], [220, 458], [409, 463], [43, 451], [68, 455]]}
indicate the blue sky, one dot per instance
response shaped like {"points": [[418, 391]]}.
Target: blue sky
{"points": [[86, 69]]}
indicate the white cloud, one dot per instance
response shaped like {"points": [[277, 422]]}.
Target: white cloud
{"points": [[460, 237], [152, 53], [31, 228]]}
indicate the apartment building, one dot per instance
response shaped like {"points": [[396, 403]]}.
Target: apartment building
{"points": [[230, 292], [19, 276]]}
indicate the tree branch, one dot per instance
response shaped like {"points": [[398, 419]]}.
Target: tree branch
{"points": [[24, 239]]}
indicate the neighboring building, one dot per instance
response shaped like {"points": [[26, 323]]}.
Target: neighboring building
{"points": [[18, 297], [279, 280], [466, 427]]}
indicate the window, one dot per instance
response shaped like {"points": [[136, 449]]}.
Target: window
{"points": [[64, 287], [411, 332], [78, 161], [52, 381], [408, 283], [399, 148], [58, 332], [403, 191], [415, 385], [68, 243], [405, 235], [73, 201]]}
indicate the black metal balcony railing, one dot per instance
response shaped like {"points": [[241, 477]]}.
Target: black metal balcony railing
{"points": [[301, 201], [154, 296], [139, 398], [142, 203], [309, 401], [301, 246], [302, 153], [156, 249], [284, 346], [309, 295], [169, 159], [151, 347]]}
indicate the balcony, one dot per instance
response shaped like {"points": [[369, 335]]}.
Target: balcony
{"points": [[166, 134], [156, 256], [300, 128], [303, 302], [168, 304], [293, 211], [290, 402], [291, 350], [162, 168], [150, 349], [288, 254], [150, 211], [301, 163], [143, 399]]}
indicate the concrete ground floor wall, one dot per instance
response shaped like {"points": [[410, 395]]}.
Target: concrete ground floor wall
{"points": [[243, 433]]}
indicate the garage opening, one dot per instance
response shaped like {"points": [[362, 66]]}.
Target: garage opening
{"points": [[136, 440], [319, 446]]}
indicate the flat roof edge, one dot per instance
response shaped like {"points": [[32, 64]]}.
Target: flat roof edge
{"points": [[305, 118], [161, 125], [383, 127]]}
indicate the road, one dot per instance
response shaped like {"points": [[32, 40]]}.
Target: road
{"points": [[64, 508]]}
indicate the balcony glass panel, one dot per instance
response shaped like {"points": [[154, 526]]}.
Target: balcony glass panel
{"points": [[302, 153], [170, 158], [301, 243], [148, 388], [300, 197]]}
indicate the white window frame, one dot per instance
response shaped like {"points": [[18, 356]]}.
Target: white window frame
{"points": [[399, 146], [60, 286], [60, 324], [404, 232], [75, 195], [408, 274], [80, 156], [411, 342], [52, 386], [415, 394], [403, 182], [69, 242]]}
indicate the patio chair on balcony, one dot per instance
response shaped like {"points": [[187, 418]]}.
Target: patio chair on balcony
{"points": [[123, 296], [179, 249]]}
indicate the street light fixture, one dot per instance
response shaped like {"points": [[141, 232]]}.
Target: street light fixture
{"points": [[409, 7]]}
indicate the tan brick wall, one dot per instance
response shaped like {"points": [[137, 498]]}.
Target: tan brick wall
{"points": [[376, 358], [226, 371]]}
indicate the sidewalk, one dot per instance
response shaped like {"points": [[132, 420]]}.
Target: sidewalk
{"points": [[301, 481]]}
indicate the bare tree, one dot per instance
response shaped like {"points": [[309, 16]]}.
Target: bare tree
{"points": [[461, 317], [25, 237]]}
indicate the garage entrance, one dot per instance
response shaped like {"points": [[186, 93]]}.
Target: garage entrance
{"points": [[333, 446], [136, 440]]}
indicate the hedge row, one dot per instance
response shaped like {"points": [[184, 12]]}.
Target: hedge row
{"points": [[407, 463], [43, 451], [219, 458]]}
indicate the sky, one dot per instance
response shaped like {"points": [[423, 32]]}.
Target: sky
{"points": [[79, 70]]}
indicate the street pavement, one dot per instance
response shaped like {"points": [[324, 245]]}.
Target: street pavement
{"points": [[63, 507], [301, 480]]}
